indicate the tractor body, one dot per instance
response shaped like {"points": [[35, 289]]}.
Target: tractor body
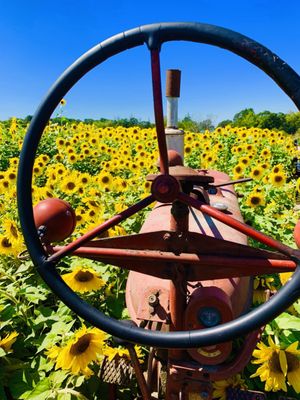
{"points": [[180, 304]]}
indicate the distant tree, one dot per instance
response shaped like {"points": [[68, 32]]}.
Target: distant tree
{"points": [[188, 124], [246, 117], [292, 122], [225, 122], [206, 125], [269, 120]]}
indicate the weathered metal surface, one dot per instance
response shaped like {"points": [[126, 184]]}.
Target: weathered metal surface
{"points": [[297, 234], [158, 111], [57, 219], [173, 83], [193, 372], [186, 174], [217, 298]]}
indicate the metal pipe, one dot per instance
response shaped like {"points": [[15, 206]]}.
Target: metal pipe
{"points": [[174, 136]]}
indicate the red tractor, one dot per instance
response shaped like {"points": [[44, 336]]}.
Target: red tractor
{"points": [[190, 283]]}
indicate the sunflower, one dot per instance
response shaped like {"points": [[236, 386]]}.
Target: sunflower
{"points": [[278, 168], [11, 231], [85, 178], [6, 247], [256, 172], [69, 183], [265, 152], [277, 365], [112, 352], [72, 158], [255, 200], [8, 341], [238, 169], [244, 160], [83, 349], [105, 179], [80, 216], [63, 102], [260, 296], [220, 387], [83, 280], [278, 179], [298, 185], [284, 277], [262, 285], [265, 282]]}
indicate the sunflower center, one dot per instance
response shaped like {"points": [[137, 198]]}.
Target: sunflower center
{"points": [[255, 200], [84, 276], [292, 362], [274, 363], [81, 345], [70, 185], [5, 243], [278, 178]]}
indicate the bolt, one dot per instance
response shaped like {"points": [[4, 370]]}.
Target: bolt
{"points": [[167, 236], [153, 300]]}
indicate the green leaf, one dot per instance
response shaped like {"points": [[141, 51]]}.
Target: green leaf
{"points": [[22, 382], [64, 396], [287, 321], [2, 352], [297, 306], [79, 380], [41, 391], [58, 377]]}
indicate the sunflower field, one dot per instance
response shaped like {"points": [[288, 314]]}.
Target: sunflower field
{"points": [[49, 353]]}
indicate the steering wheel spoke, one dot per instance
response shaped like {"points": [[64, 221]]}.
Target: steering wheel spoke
{"points": [[158, 111], [205, 258], [115, 220], [239, 226]]}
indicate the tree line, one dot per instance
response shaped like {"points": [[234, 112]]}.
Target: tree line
{"points": [[289, 122]]}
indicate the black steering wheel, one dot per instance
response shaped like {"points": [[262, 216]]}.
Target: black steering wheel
{"points": [[153, 36]]}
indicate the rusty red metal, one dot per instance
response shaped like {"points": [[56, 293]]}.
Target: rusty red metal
{"points": [[115, 220], [155, 263], [165, 188], [215, 297], [158, 111], [239, 226], [297, 234], [139, 373], [55, 218], [173, 83], [189, 373]]}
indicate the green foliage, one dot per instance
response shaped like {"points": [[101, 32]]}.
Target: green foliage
{"points": [[188, 124], [289, 123]]}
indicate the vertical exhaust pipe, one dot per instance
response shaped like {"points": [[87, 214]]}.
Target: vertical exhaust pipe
{"points": [[174, 136]]}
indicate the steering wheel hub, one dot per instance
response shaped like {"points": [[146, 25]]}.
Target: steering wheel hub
{"points": [[165, 188]]}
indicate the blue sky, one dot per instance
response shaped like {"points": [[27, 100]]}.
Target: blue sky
{"points": [[40, 38]]}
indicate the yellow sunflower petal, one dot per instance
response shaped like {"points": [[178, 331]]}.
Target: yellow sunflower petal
{"points": [[283, 362]]}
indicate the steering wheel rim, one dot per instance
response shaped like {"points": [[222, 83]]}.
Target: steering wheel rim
{"points": [[153, 36]]}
